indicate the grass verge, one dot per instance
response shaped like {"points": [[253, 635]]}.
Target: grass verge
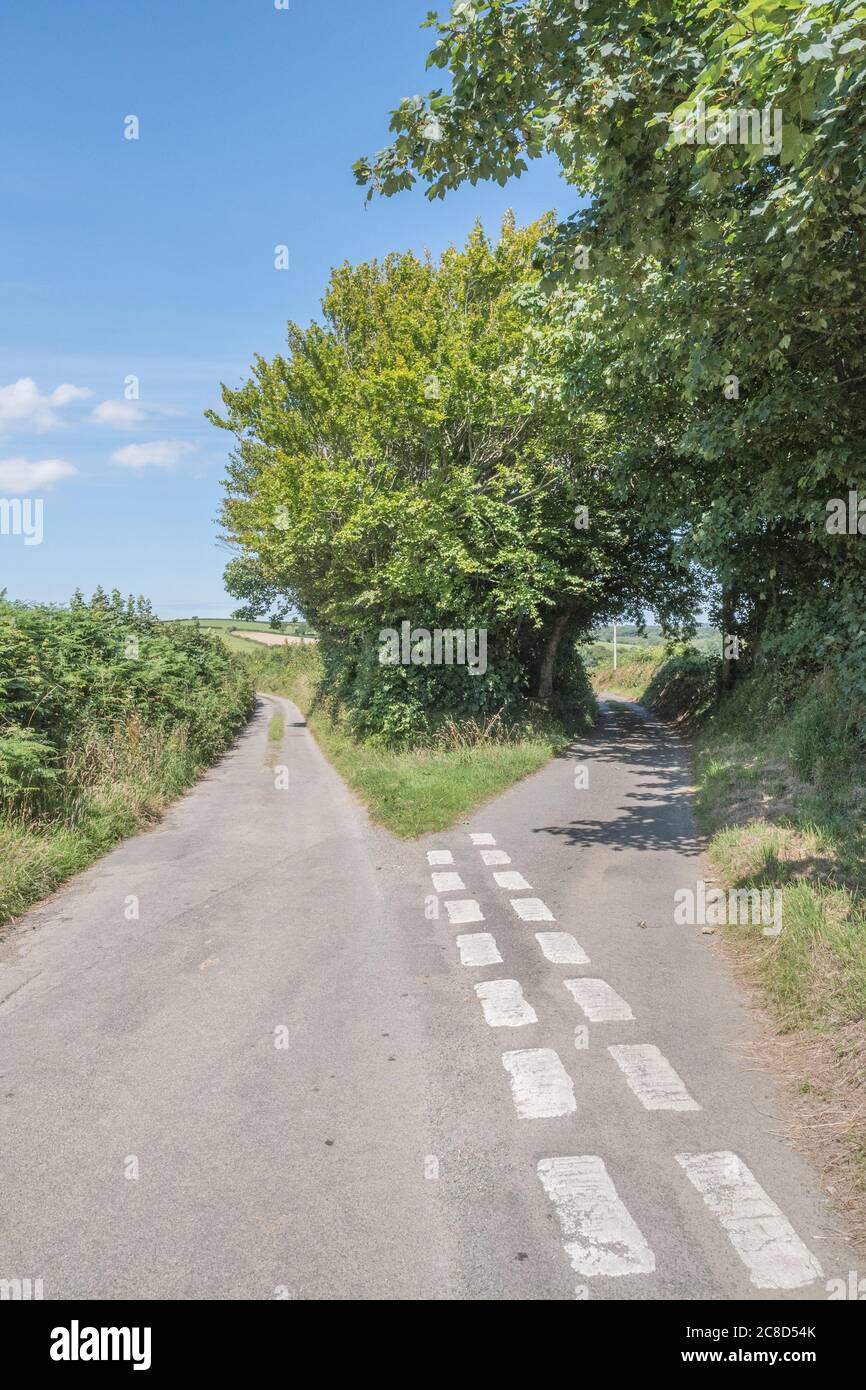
{"points": [[414, 791], [106, 716], [132, 776], [781, 800]]}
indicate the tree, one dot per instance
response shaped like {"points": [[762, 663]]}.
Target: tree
{"points": [[411, 460], [721, 151]]}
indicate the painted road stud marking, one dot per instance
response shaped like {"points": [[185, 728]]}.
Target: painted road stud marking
{"points": [[600, 1235], [504, 1005], [598, 1001], [478, 949], [463, 910], [532, 910], [764, 1239], [513, 880], [448, 883], [560, 948], [540, 1085], [652, 1078]]}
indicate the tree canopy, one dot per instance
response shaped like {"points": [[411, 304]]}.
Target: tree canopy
{"points": [[412, 459], [707, 299]]}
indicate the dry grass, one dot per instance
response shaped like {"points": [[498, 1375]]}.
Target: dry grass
{"points": [[123, 781], [768, 825], [825, 1114]]}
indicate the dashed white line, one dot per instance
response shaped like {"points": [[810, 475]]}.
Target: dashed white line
{"points": [[532, 910], [448, 883], [600, 1235], [598, 1001], [763, 1238], [482, 839], [560, 948], [540, 1085], [494, 856], [504, 1005], [439, 856], [513, 880], [652, 1078], [478, 949], [463, 910]]}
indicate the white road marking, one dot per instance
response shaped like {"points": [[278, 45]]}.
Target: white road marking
{"points": [[560, 948], [763, 1238], [495, 856], [484, 839], [599, 1002], [532, 910], [513, 880], [479, 949], [652, 1078], [439, 856], [448, 883], [504, 1005], [600, 1235], [540, 1085], [463, 910]]}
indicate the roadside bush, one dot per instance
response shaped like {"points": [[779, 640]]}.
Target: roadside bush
{"points": [[685, 686], [827, 740], [94, 675]]}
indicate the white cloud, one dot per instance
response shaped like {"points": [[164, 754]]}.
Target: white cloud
{"points": [[162, 453], [120, 415], [24, 406], [21, 476], [66, 394]]}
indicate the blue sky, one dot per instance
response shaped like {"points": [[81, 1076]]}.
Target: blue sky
{"points": [[154, 257]]}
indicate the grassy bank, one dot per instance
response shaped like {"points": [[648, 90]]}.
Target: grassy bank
{"points": [[131, 777], [782, 801], [105, 718], [413, 791], [634, 671]]}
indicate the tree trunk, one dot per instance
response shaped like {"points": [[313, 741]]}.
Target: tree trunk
{"points": [[728, 614], [548, 661]]}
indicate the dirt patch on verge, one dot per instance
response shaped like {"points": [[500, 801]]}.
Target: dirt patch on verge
{"points": [[275, 639]]}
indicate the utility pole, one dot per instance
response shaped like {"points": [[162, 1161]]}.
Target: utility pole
{"points": [[614, 646]]}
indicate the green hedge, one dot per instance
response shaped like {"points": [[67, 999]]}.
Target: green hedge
{"points": [[71, 678]]}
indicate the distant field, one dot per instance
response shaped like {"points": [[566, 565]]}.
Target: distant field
{"points": [[629, 644], [238, 644], [293, 627], [274, 639]]}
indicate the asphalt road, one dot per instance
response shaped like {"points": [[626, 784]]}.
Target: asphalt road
{"points": [[261, 1052]]}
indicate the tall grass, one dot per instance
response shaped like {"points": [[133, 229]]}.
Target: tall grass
{"points": [[105, 718], [117, 783]]}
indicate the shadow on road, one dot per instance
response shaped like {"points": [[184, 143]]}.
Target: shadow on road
{"points": [[656, 812]]}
